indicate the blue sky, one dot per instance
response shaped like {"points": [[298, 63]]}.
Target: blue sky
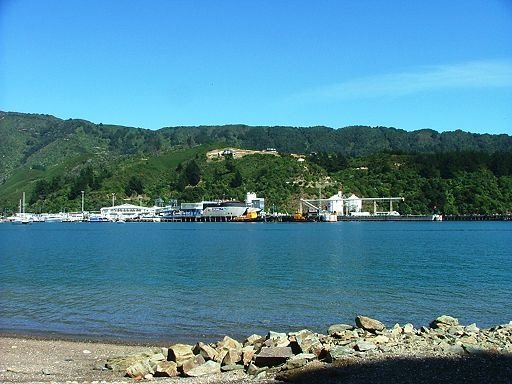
{"points": [[436, 64]]}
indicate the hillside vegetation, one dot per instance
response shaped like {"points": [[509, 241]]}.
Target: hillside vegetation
{"points": [[53, 160]]}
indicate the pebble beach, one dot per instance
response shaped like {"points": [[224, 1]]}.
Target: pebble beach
{"points": [[443, 351]]}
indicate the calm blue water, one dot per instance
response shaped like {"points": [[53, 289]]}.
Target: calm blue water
{"points": [[200, 281]]}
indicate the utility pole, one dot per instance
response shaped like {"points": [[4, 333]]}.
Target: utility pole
{"points": [[82, 202]]}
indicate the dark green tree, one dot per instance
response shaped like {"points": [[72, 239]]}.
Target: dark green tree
{"points": [[134, 186], [193, 173], [237, 180]]}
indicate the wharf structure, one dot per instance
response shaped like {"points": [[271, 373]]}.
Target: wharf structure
{"points": [[341, 208], [216, 211]]}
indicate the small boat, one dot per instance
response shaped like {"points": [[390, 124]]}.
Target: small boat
{"points": [[22, 217], [95, 218], [53, 218]]}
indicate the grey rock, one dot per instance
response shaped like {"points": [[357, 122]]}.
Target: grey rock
{"points": [[308, 342], [300, 360], [232, 356], [408, 328], [444, 321], [456, 349], [368, 324], [278, 339], [474, 349], [231, 367], [273, 356], [295, 363], [380, 339], [472, 328], [139, 369], [253, 370], [339, 329], [158, 356], [192, 363], [209, 368], [363, 346], [121, 363], [205, 350], [396, 330], [339, 352], [261, 375], [307, 356]]}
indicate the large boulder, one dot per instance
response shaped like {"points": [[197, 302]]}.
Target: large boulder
{"points": [[166, 369], [255, 340], [192, 363], [205, 350], [339, 352], [273, 356], [338, 329], [208, 368], [300, 360], [232, 356], [229, 343], [179, 353], [473, 349], [277, 339], [444, 321], [139, 369], [363, 346], [248, 354], [229, 351], [368, 324], [121, 363], [308, 342]]}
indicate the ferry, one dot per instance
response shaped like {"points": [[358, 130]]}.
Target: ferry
{"points": [[216, 210], [228, 209]]}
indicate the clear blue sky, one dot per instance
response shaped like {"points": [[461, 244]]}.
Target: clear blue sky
{"points": [[437, 64]]}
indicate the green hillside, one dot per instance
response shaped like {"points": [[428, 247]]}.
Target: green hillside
{"points": [[53, 160]]}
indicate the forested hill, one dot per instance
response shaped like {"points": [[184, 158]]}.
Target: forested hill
{"points": [[53, 160], [349, 141], [31, 139]]}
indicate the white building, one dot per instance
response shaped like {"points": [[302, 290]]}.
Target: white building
{"points": [[251, 200], [335, 204], [126, 211], [353, 204]]}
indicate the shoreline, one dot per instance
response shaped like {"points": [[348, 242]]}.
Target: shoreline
{"points": [[343, 355], [54, 337]]}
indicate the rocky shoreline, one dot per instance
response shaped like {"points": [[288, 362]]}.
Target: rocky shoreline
{"points": [[294, 356]]}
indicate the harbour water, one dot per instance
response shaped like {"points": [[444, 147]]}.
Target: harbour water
{"points": [[164, 282]]}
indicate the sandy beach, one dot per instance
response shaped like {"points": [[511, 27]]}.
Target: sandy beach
{"points": [[25, 360], [38, 360]]}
